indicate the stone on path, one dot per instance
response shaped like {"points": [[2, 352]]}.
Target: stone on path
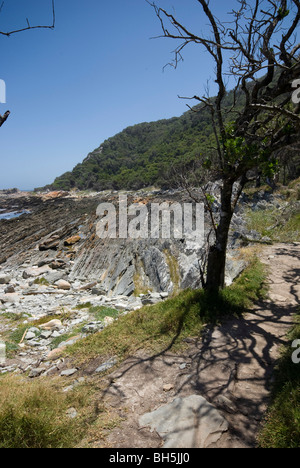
{"points": [[189, 422]]}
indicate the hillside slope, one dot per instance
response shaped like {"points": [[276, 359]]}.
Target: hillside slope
{"points": [[139, 155]]}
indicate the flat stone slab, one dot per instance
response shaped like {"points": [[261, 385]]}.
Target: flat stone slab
{"points": [[189, 422]]}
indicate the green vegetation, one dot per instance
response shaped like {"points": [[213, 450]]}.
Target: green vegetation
{"points": [[33, 415], [145, 154], [280, 225], [174, 270], [165, 325], [282, 425], [142, 155], [41, 281], [100, 312], [138, 156], [86, 305]]}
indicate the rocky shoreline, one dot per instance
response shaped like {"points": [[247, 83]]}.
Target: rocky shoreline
{"points": [[53, 266]]}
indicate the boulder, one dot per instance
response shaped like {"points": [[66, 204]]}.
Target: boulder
{"points": [[189, 422], [34, 272], [62, 284], [10, 297], [5, 279]]}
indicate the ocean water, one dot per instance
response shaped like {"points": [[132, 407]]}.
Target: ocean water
{"points": [[12, 214]]}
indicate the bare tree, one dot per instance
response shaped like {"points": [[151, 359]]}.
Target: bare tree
{"points": [[258, 49], [28, 27]]}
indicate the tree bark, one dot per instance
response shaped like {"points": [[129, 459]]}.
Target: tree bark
{"points": [[217, 255], [4, 117]]}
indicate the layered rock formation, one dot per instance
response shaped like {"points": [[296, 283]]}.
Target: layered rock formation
{"points": [[58, 241]]}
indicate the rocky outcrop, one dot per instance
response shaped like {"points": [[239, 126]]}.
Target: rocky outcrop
{"points": [[58, 241]]}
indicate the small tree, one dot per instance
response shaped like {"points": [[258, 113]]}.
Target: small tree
{"points": [[258, 49], [28, 27]]}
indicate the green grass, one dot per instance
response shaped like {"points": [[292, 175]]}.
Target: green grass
{"points": [[165, 325], [275, 225], [281, 428], [41, 281], [86, 305], [100, 312], [33, 415]]}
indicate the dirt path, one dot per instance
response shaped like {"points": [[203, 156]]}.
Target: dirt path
{"points": [[232, 366]]}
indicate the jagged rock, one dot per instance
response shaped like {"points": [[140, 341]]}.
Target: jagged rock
{"points": [[156, 269], [36, 372], [57, 264], [51, 244], [29, 336], [46, 334], [35, 272], [53, 276]]}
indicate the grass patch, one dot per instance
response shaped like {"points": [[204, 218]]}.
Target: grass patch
{"points": [[100, 312], [279, 226], [174, 270], [86, 305], [281, 428], [165, 325], [33, 415], [14, 317], [41, 281]]}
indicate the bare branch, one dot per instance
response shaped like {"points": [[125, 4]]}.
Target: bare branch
{"points": [[29, 27], [4, 117]]}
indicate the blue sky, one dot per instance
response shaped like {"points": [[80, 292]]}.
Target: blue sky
{"points": [[98, 72]]}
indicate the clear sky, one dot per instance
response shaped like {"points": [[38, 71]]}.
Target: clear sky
{"points": [[97, 73]]}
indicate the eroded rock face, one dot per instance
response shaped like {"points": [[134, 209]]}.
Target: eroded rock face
{"points": [[58, 241]]}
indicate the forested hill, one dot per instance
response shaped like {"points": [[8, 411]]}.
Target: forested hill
{"points": [[141, 155]]}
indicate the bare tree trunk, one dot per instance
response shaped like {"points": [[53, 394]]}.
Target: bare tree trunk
{"points": [[217, 254]]}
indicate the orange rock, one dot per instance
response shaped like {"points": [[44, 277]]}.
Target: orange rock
{"points": [[72, 240]]}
